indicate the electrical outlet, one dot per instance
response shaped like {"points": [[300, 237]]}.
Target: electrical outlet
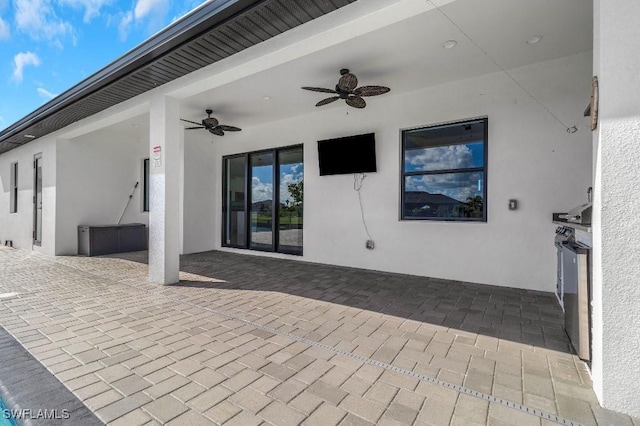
{"points": [[370, 245]]}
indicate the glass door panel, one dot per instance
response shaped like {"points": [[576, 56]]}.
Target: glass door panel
{"points": [[290, 201], [37, 199], [262, 200], [235, 201]]}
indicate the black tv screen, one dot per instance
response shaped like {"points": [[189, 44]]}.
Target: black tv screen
{"points": [[351, 154]]}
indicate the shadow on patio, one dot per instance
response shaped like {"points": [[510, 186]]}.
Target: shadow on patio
{"points": [[529, 317]]}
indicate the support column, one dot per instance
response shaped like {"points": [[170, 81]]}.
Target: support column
{"points": [[165, 142], [616, 221]]}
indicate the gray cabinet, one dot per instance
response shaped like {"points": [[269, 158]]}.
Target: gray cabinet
{"points": [[96, 240]]}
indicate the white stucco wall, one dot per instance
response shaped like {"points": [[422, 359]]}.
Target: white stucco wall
{"points": [[199, 196], [96, 174], [18, 227], [616, 273], [531, 158]]}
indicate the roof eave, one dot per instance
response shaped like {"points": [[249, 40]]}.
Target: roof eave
{"points": [[188, 27]]}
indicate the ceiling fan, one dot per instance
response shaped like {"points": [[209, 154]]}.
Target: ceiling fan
{"points": [[212, 125], [346, 89]]}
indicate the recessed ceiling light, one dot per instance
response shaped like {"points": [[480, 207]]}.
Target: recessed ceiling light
{"points": [[30, 136], [266, 97], [449, 44], [534, 39]]}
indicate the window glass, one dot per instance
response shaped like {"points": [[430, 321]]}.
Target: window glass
{"points": [[13, 208], [145, 186], [235, 216], [446, 195], [290, 204], [270, 216], [262, 200], [444, 172]]}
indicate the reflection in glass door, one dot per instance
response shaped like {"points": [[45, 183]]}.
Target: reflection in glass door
{"points": [[262, 200], [261, 224], [290, 195], [37, 200], [235, 202]]}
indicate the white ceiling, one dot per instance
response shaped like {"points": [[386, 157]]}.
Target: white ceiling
{"points": [[408, 55]]}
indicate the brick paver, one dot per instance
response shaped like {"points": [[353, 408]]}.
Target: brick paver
{"points": [[137, 353]]}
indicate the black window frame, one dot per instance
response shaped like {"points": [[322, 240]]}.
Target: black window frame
{"points": [[404, 174], [275, 226], [13, 202], [146, 174]]}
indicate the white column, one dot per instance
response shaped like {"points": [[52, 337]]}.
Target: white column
{"points": [[616, 221], [165, 142]]}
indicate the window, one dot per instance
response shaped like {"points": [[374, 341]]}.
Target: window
{"points": [[145, 185], [13, 203], [262, 200], [444, 174]]}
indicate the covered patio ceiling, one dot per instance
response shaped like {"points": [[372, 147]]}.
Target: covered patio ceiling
{"points": [[407, 55], [396, 44]]}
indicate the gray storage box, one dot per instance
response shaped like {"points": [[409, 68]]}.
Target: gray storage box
{"points": [[95, 240]]}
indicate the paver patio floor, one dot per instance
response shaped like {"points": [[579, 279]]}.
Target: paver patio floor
{"points": [[249, 340]]}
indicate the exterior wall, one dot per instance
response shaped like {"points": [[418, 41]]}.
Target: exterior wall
{"points": [[531, 158], [200, 203], [96, 174], [616, 272], [18, 227]]}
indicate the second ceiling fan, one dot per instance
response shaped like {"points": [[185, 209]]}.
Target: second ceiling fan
{"points": [[346, 89], [212, 125]]}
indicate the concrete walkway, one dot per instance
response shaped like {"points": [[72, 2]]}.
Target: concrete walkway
{"points": [[247, 340]]}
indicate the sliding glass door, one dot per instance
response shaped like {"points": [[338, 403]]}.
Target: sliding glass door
{"points": [[235, 217], [263, 200], [290, 191]]}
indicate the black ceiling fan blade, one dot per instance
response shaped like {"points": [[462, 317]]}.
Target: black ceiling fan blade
{"points": [[356, 102], [191, 128], [226, 128], [192, 122], [319, 89], [327, 101], [217, 131], [371, 90], [348, 82]]}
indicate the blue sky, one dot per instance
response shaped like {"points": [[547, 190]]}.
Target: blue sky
{"points": [[48, 46]]}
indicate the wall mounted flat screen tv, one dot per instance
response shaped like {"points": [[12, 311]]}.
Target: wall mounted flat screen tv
{"points": [[351, 154]]}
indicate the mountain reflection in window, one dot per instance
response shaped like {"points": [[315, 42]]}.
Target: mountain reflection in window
{"points": [[444, 172]]}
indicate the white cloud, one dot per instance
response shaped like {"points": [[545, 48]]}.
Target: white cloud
{"points": [[45, 93], [38, 19], [5, 33], [22, 60], [442, 157], [260, 191], [123, 26], [147, 7], [91, 7]]}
